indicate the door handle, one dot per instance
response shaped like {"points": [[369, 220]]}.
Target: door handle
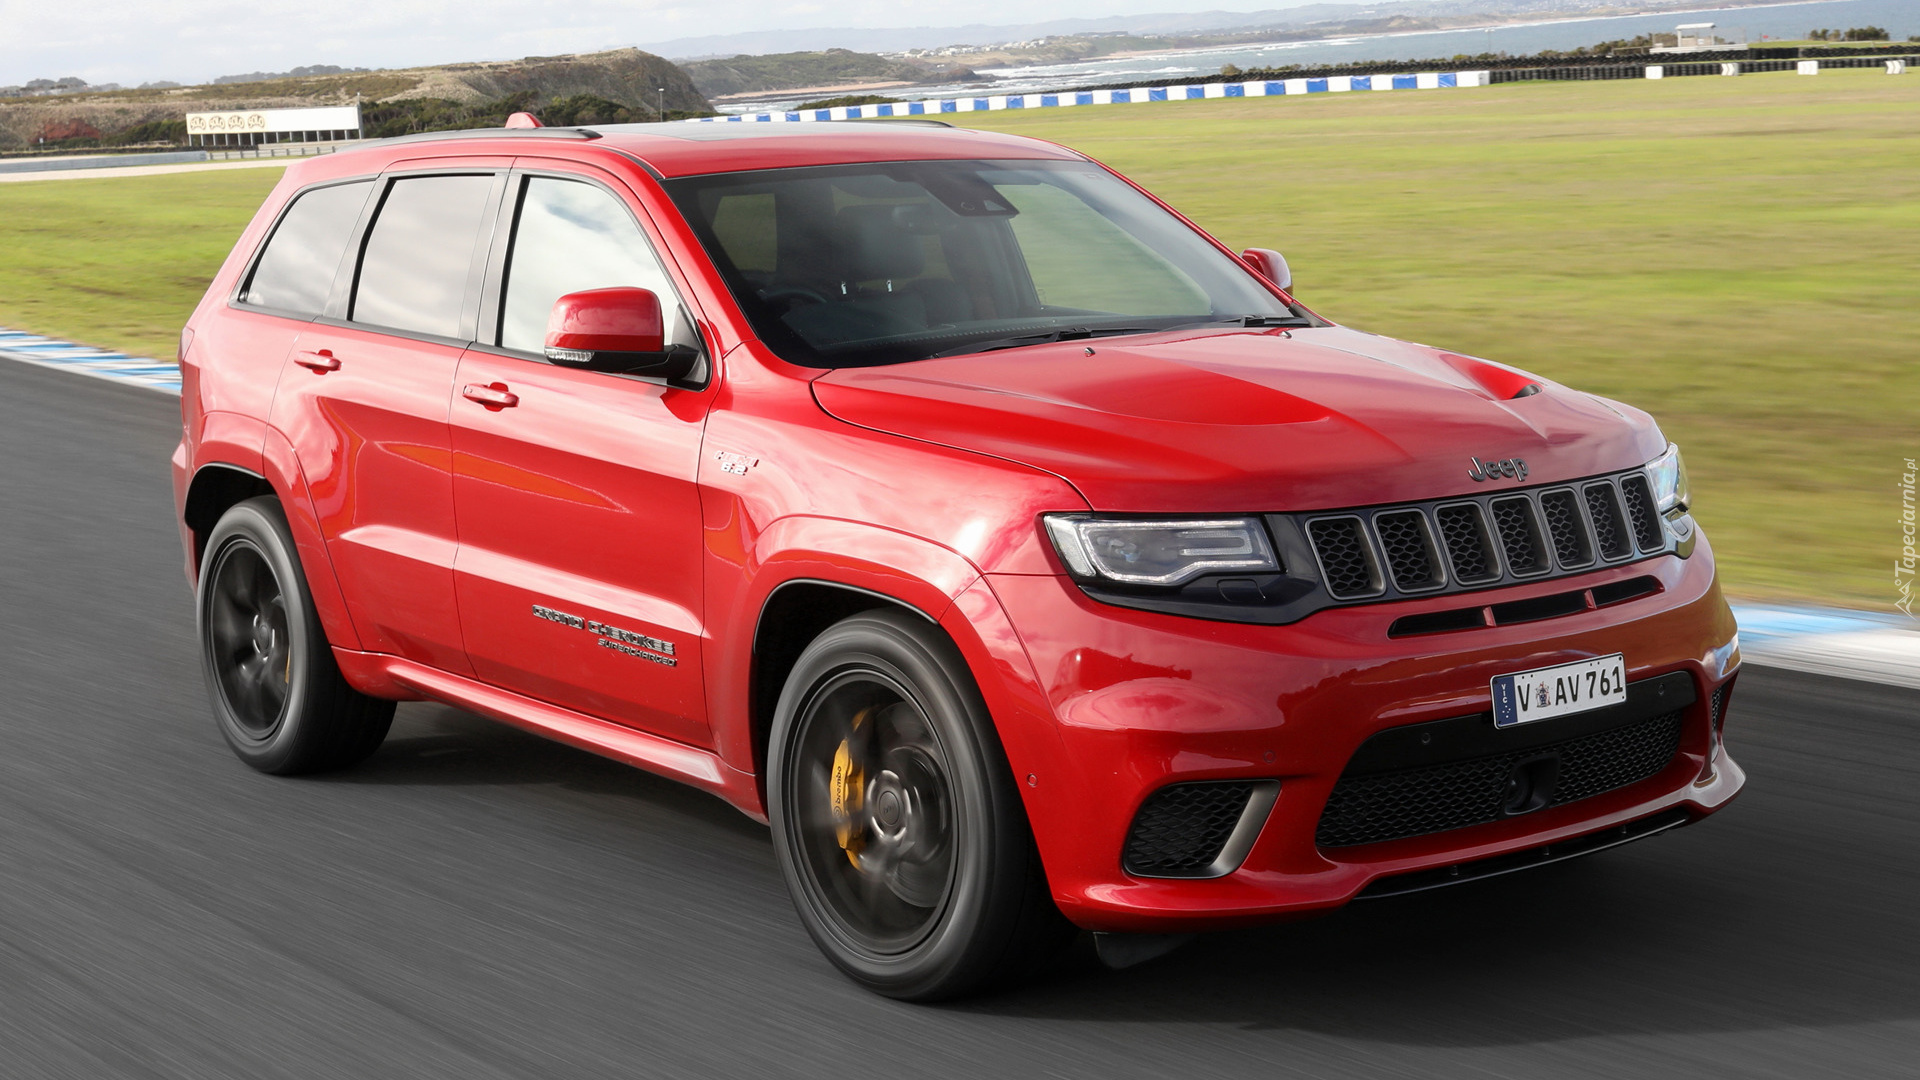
{"points": [[321, 360], [494, 396]]}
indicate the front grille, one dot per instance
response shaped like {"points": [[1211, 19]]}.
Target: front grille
{"points": [[1641, 511], [1374, 807], [1603, 506], [1409, 550], [1345, 557], [1519, 538], [1468, 546], [1565, 529], [1181, 829], [1494, 539]]}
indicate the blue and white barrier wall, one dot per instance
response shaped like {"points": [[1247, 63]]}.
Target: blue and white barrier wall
{"points": [[1130, 95]]}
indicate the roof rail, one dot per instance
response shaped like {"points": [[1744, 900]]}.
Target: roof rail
{"points": [[478, 133]]}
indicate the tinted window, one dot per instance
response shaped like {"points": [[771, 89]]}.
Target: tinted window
{"points": [[899, 261], [413, 275], [571, 236], [295, 273]]}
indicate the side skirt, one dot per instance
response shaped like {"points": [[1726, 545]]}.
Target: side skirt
{"points": [[391, 676]]}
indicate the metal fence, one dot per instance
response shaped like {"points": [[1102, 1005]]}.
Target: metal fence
{"points": [[1640, 70]]}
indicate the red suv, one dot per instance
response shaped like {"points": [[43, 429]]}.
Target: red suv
{"points": [[940, 497]]}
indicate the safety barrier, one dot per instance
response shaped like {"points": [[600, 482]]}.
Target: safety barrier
{"points": [[1893, 66], [1126, 95]]}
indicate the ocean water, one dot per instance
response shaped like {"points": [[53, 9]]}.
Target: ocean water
{"points": [[1779, 21]]}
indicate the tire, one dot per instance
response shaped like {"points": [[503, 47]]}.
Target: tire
{"points": [[896, 820], [256, 620]]}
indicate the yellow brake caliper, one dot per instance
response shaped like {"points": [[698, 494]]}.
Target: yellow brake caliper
{"points": [[845, 792]]}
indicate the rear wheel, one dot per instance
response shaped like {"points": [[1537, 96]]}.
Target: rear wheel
{"points": [[895, 817], [277, 694]]}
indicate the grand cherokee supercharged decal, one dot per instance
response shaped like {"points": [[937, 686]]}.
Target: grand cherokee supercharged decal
{"points": [[613, 637]]}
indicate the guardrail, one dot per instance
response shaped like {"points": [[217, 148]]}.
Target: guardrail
{"points": [[281, 150], [1118, 95], [1894, 65], [98, 161]]}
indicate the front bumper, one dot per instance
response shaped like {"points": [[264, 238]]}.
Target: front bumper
{"points": [[1139, 700]]}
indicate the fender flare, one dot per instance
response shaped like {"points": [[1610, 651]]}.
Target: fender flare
{"points": [[281, 464]]}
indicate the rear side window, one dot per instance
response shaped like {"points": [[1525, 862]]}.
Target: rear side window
{"points": [[295, 272], [414, 269], [570, 237]]}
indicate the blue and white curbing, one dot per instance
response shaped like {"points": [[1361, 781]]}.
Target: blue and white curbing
{"points": [[87, 360], [1130, 95], [1829, 641]]}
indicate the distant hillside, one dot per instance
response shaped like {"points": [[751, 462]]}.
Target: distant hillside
{"points": [[607, 87], [797, 70]]}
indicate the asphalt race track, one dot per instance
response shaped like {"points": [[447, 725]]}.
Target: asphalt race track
{"points": [[479, 903]]}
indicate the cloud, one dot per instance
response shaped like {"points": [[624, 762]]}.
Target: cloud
{"points": [[134, 41]]}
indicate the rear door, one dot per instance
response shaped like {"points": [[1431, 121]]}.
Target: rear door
{"points": [[578, 573], [364, 400], [287, 287]]}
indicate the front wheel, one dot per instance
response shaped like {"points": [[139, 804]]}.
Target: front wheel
{"points": [[897, 825], [278, 695]]}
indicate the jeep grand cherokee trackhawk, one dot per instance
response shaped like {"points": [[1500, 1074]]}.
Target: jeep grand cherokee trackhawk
{"points": [[1026, 558]]}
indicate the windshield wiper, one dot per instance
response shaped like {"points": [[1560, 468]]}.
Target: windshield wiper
{"points": [[1269, 320], [1045, 337]]}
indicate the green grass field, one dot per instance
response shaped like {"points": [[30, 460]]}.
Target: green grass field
{"points": [[1739, 256], [120, 262]]}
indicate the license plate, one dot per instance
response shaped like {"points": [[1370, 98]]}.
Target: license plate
{"points": [[1544, 693]]}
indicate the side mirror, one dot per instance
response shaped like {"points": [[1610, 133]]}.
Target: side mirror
{"points": [[1271, 265], [618, 331]]}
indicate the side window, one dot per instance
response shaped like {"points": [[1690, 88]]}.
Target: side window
{"points": [[413, 272], [295, 272], [571, 236]]}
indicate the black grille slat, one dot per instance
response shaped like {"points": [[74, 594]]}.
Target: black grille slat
{"points": [[1411, 560], [1465, 535], [1376, 807], [1640, 510], [1182, 828], [1345, 558], [1566, 528], [1519, 539], [1610, 531]]}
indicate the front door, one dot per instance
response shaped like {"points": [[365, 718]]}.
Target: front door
{"points": [[578, 572]]}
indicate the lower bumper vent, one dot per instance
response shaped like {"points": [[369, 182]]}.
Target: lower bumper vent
{"points": [[1375, 807], [1197, 830]]}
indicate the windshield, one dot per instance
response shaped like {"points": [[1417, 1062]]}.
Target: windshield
{"points": [[852, 265]]}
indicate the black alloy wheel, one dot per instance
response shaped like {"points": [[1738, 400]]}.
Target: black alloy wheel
{"points": [[249, 641], [277, 693], [897, 824]]}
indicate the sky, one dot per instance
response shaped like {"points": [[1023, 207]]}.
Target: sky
{"points": [[190, 41]]}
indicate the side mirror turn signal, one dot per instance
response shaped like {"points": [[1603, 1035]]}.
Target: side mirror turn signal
{"points": [[619, 331]]}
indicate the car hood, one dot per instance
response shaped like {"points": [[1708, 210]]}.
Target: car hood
{"points": [[1246, 420]]}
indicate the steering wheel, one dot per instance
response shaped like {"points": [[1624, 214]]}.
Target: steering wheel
{"points": [[792, 293]]}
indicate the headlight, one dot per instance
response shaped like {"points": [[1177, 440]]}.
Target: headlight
{"points": [[1135, 551], [1669, 477]]}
